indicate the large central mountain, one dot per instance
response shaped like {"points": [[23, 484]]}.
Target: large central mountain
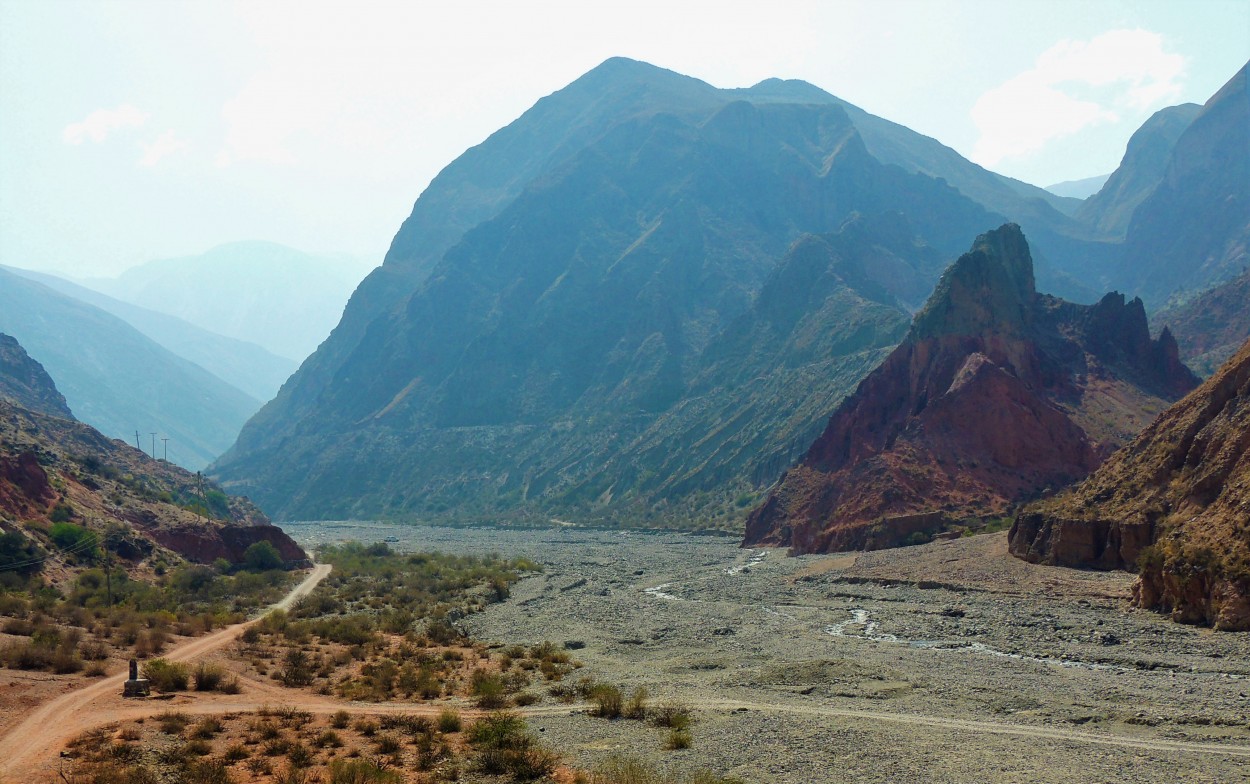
{"points": [[609, 308]]}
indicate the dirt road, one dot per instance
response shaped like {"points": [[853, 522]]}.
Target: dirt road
{"points": [[29, 749]]}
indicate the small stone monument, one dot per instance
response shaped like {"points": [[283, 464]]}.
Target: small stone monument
{"points": [[136, 686]]}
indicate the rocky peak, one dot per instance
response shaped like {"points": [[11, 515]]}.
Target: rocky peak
{"points": [[25, 382], [995, 396], [988, 289]]}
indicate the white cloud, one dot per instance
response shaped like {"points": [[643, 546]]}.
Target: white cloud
{"points": [[101, 123], [1121, 74], [166, 144]]}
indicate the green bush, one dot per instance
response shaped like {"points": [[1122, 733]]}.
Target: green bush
{"points": [[262, 556], [449, 720], [19, 554], [166, 675], [608, 701], [75, 539]]}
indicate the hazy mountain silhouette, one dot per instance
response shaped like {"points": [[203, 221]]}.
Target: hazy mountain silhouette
{"points": [[1079, 189], [282, 299], [1140, 171], [120, 381], [239, 363], [1193, 231]]}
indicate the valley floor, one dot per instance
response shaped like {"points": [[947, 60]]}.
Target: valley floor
{"points": [[948, 662]]}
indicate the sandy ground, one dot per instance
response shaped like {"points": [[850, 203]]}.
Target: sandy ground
{"points": [[949, 662], [29, 746]]}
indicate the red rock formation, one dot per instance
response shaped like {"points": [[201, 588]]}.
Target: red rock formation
{"points": [[207, 543], [24, 487], [1174, 503], [997, 394]]}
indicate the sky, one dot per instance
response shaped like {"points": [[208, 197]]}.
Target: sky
{"points": [[133, 130]]}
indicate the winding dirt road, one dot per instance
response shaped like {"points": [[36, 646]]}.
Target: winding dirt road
{"points": [[29, 749]]}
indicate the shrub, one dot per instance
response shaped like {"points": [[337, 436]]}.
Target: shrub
{"points": [[166, 675], [328, 739], [361, 771], [449, 720], [297, 671], [488, 687], [607, 700], [340, 719], [387, 744], [636, 708], [172, 722], [236, 753], [19, 554], [673, 715], [261, 557], [678, 739], [209, 676], [207, 728], [75, 540]]}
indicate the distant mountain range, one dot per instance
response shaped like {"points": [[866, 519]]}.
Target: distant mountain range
{"points": [[247, 366], [1079, 189], [120, 381], [262, 293], [639, 302]]}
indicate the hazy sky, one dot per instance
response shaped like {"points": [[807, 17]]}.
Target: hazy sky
{"points": [[133, 130]]}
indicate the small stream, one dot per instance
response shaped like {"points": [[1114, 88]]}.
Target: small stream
{"points": [[860, 617]]}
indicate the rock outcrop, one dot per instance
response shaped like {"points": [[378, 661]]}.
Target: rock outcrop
{"points": [[25, 382], [1174, 503], [997, 394]]}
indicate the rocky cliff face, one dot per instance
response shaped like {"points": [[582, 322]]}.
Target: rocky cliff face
{"points": [[25, 382], [1212, 326], [997, 394], [1174, 503]]}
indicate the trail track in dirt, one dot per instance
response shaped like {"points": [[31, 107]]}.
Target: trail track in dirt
{"points": [[27, 751]]}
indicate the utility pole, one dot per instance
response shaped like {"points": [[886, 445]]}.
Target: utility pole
{"points": [[137, 441], [165, 441], [154, 446]]}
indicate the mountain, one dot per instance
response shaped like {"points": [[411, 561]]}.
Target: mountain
{"points": [[1193, 231], [1175, 503], [247, 366], [1144, 164], [282, 299], [996, 394], [489, 177], [1079, 189], [118, 380], [580, 316], [1210, 327], [54, 469], [23, 381]]}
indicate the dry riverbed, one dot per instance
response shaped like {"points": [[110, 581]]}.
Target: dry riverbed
{"points": [[948, 662]]}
